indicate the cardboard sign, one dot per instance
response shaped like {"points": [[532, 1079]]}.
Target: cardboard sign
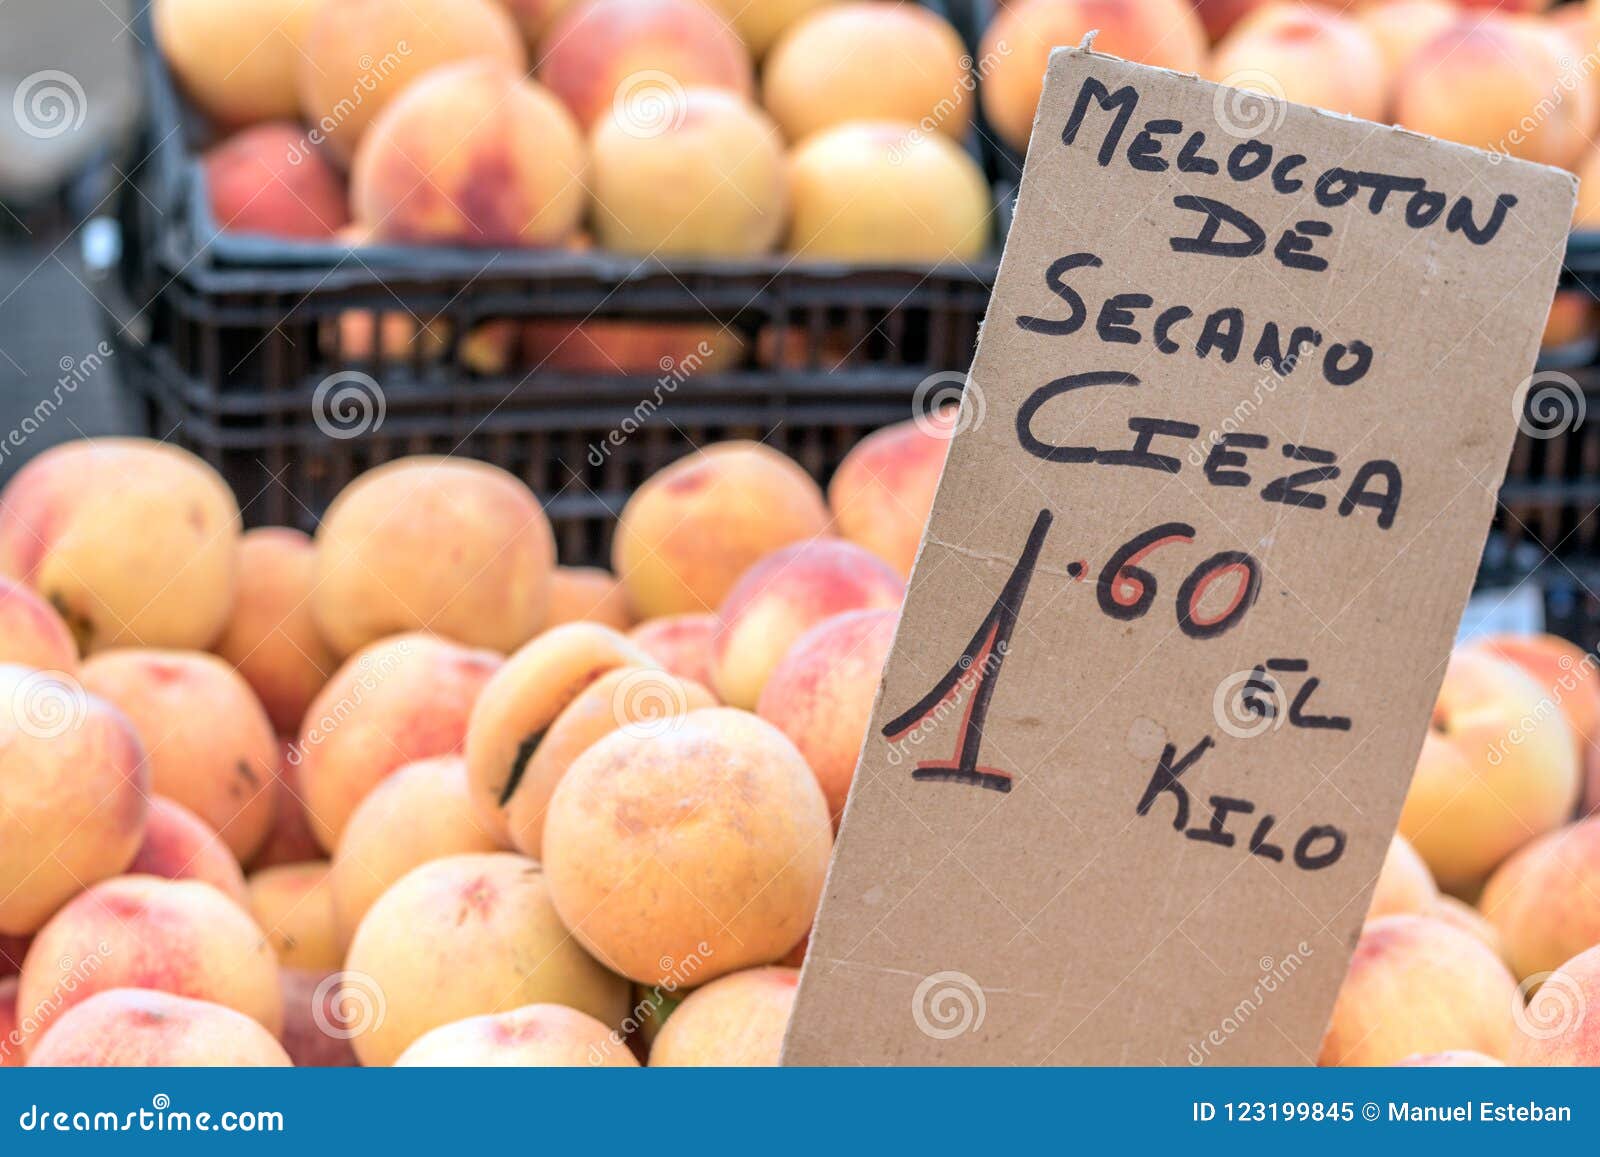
{"points": [[1225, 466]]}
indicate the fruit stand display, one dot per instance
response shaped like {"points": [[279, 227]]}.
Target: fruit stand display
{"points": [[615, 477]]}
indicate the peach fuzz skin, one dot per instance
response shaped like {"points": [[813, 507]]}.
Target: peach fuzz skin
{"points": [[74, 780], [178, 936], [692, 529], [1417, 985], [144, 1028], [782, 597], [523, 699], [211, 746], [133, 542], [630, 826], [397, 701], [536, 1036], [468, 936]]}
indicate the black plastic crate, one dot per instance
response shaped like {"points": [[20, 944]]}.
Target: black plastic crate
{"points": [[235, 347]]}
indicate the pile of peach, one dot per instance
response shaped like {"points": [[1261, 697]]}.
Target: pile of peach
{"points": [[411, 792], [636, 125], [1482, 943]]}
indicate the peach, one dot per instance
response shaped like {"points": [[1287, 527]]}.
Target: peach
{"points": [[692, 529], [10, 1030], [145, 1028], [1498, 767], [877, 62], [1586, 216], [471, 154], [293, 904], [269, 179], [680, 643], [704, 846], [1460, 914], [760, 25], [466, 936], [1400, 27], [1417, 985], [1571, 318], [179, 936], [784, 595], [524, 698], [1478, 82], [1450, 1059], [643, 54], [534, 17], [1016, 48], [422, 812], [736, 1021], [1218, 16], [587, 594], [708, 180], [314, 1033], [448, 545], [883, 491], [179, 845], [395, 702], [640, 700], [133, 542], [237, 61], [1559, 1026], [535, 1036], [212, 748], [358, 56], [1545, 899], [878, 191], [821, 694], [73, 781], [291, 840], [31, 633], [272, 639], [364, 338], [1306, 54], [667, 350], [1569, 675], [1404, 884]]}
